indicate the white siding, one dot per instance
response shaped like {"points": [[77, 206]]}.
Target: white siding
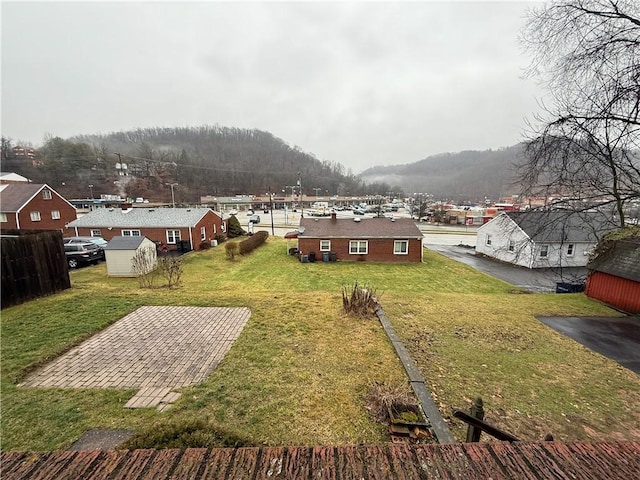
{"points": [[119, 261], [526, 253]]}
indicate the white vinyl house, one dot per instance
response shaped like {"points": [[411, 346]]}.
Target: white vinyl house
{"points": [[120, 251], [543, 239]]}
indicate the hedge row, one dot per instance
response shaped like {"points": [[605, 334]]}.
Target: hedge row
{"points": [[246, 246], [253, 242]]}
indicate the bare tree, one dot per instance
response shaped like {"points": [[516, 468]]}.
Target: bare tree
{"points": [[584, 150]]}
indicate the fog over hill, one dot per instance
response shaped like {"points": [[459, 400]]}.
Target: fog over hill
{"points": [[465, 176]]}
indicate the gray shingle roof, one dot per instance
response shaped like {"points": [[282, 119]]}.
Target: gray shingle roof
{"points": [[621, 260], [141, 217], [124, 243], [366, 228], [561, 226]]}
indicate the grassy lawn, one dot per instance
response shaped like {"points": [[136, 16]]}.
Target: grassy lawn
{"points": [[299, 372]]}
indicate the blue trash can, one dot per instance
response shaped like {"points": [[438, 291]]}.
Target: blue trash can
{"points": [[325, 256]]}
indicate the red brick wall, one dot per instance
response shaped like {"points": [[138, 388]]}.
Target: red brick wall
{"points": [[379, 250], [45, 207]]}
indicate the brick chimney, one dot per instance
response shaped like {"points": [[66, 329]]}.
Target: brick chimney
{"points": [[334, 218]]}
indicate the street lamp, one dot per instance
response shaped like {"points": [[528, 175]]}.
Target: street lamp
{"points": [[173, 198], [91, 190]]}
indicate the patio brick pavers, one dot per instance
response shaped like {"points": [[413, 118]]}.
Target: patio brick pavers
{"points": [[153, 348]]}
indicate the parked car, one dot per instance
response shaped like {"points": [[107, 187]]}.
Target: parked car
{"points": [[81, 253], [99, 241], [233, 211], [254, 219], [250, 212]]}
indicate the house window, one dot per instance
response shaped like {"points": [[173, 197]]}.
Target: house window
{"points": [[203, 233], [401, 247], [571, 249], [512, 245], [488, 240], [3, 217], [130, 233], [223, 227], [96, 233], [35, 216], [173, 236], [215, 228], [325, 245], [46, 194], [544, 251], [55, 214], [358, 247]]}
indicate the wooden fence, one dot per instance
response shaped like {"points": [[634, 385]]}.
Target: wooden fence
{"points": [[33, 265]]}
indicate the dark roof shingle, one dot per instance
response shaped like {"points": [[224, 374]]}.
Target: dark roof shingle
{"points": [[365, 228]]}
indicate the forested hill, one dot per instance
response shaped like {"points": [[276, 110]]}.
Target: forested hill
{"points": [[468, 175], [221, 161], [206, 160]]}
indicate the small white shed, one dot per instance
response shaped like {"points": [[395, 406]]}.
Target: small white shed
{"points": [[120, 251]]}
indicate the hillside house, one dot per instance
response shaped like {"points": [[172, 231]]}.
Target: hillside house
{"points": [[355, 239], [33, 206], [165, 226], [543, 239]]}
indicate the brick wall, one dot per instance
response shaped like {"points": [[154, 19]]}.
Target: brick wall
{"points": [[379, 250], [45, 207]]}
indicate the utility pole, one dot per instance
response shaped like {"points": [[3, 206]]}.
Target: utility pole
{"points": [[301, 201], [273, 233], [173, 198]]}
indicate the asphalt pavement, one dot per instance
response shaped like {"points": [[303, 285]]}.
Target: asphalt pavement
{"points": [[615, 338], [540, 280]]}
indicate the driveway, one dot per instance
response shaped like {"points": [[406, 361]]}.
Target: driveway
{"points": [[539, 280], [615, 338]]}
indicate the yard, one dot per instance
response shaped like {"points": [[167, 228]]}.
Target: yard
{"points": [[300, 370]]}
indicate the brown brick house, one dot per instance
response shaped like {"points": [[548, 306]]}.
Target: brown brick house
{"points": [[33, 206], [355, 239], [168, 226]]}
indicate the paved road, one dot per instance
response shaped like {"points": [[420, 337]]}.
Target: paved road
{"points": [[534, 280], [615, 338]]}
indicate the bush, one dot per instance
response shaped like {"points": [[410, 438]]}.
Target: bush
{"points": [[184, 433], [171, 268], [220, 239], [204, 245], [143, 265], [235, 229], [232, 250], [360, 302], [253, 242]]}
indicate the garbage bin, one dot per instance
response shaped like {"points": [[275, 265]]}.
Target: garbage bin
{"points": [[184, 246], [325, 256], [312, 257], [304, 258], [333, 256]]}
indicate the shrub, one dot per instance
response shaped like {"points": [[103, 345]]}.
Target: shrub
{"points": [[184, 433], [204, 245], [143, 265], [253, 242], [171, 268], [360, 302], [232, 250], [235, 229], [220, 239], [383, 399]]}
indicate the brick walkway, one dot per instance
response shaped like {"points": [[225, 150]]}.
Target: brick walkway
{"points": [[159, 347]]}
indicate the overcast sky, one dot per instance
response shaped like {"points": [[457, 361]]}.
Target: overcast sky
{"points": [[361, 84]]}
